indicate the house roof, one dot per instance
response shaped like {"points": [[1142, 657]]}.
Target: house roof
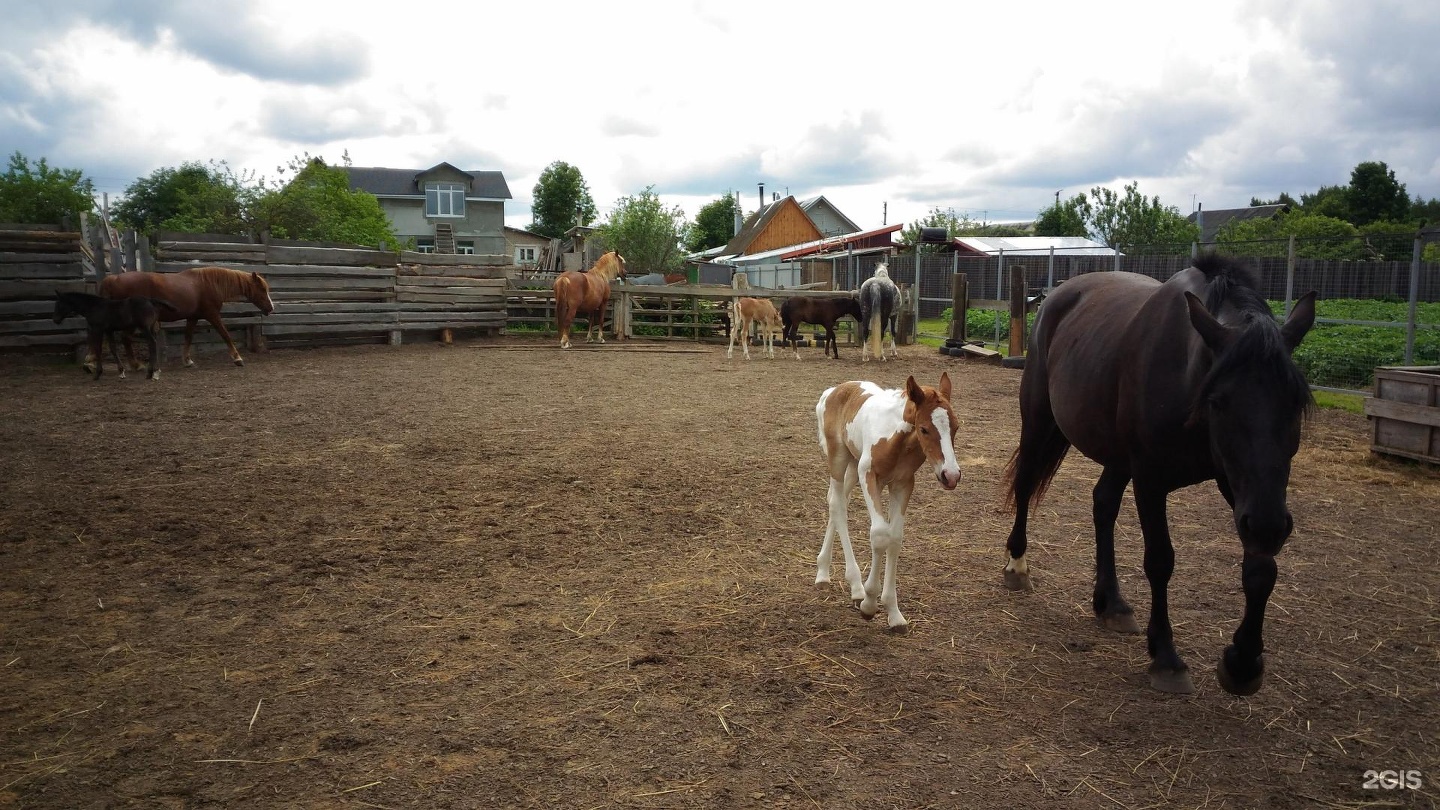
{"points": [[384, 182], [524, 232], [805, 249], [819, 200], [752, 228], [1063, 245], [1215, 220]]}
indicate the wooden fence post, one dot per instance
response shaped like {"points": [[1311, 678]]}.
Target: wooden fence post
{"points": [[1017, 311], [959, 304]]}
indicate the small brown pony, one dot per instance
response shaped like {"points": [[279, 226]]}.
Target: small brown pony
{"points": [[762, 313], [194, 293], [586, 293]]}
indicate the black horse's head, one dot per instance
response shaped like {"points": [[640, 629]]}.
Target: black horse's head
{"points": [[63, 307], [1252, 402]]}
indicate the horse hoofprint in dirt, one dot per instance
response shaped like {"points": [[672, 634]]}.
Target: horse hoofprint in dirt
{"points": [[879, 300], [879, 437], [757, 311]]}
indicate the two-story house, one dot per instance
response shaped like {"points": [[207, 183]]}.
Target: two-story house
{"points": [[444, 209]]}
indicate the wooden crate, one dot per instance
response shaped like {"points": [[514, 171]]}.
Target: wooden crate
{"points": [[1405, 412]]}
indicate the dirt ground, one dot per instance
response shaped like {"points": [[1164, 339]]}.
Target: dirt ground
{"points": [[497, 575]]}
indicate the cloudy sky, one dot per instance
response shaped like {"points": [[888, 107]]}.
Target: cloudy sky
{"points": [[989, 109]]}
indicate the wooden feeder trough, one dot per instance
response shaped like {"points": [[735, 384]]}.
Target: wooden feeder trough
{"points": [[1405, 412]]}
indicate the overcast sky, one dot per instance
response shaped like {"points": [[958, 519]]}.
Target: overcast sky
{"points": [[988, 109]]}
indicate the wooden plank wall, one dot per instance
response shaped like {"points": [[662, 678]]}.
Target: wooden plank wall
{"points": [[37, 261], [323, 294]]}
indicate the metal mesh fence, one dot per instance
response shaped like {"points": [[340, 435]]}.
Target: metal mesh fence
{"points": [[1364, 287]]}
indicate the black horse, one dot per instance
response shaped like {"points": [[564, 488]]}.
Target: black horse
{"points": [[115, 317], [1167, 385], [819, 310]]}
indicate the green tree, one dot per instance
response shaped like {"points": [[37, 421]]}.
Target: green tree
{"points": [[1283, 199], [954, 225], [1066, 218], [193, 198], [714, 224], [40, 194], [1376, 196], [1425, 212], [318, 204], [1316, 237], [1329, 201], [1132, 219], [562, 201], [646, 233]]}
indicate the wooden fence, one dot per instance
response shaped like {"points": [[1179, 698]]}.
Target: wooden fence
{"points": [[322, 293]]}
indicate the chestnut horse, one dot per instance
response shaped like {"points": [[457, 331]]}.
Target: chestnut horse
{"points": [[877, 437], [194, 293], [757, 311], [586, 293]]}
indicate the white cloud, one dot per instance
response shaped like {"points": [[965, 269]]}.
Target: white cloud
{"points": [[911, 104]]}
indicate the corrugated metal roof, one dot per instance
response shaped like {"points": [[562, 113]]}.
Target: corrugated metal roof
{"points": [[1064, 245], [384, 182]]}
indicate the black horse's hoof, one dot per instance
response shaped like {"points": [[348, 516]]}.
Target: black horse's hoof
{"points": [[1120, 622], [1171, 681], [1016, 581], [1244, 688]]}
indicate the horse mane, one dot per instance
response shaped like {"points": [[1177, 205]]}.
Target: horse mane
{"points": [[608, 266], [224, 280], [1258, 342]]}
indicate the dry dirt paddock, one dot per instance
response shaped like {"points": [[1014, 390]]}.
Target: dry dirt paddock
{"points": [[497, 575]]}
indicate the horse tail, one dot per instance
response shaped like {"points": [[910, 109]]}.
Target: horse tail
{"points": [[1034, 463]]}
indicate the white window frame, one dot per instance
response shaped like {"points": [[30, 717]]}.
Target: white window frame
{"points": [[465, 247], [424, 244], [526, 254], [445, 200]]}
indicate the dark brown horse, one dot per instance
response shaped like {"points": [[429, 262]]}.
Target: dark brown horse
{"points": [[820, 310], [194, 293], [1166, 385], [586, 294], [106, 317]]}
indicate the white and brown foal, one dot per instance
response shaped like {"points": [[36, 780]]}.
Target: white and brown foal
{"points": [[754, 311], [879, 437]]}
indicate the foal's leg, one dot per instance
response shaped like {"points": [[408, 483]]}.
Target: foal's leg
{"points": [[96, 339], [839, 524], [130, 350], [1110, 607], [832, 345], [900, 490], [730, 352], [1167, 672], [115, 352], [879, 534]]}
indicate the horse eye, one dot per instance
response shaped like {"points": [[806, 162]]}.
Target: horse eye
{"points": [[925, 431]]}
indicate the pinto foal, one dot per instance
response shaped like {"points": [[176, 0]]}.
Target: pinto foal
{"points": [[878, 437], [757, 311]]}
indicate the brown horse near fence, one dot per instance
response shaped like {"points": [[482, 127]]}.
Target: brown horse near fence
{"points": [[194, 293], [586, 293]]}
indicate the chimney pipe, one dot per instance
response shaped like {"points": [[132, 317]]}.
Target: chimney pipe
{"points": [[762, 195]]}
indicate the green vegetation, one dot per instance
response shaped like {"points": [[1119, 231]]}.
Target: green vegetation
{"points": [[1332, 355], [39, 193]]}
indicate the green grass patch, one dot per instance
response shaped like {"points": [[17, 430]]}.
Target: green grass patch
{"points": [[1344, 402]]}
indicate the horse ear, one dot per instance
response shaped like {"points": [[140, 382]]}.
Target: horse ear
{"points": [[1214, 333], [913, 390], [1302, 317], [945, 385]]}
